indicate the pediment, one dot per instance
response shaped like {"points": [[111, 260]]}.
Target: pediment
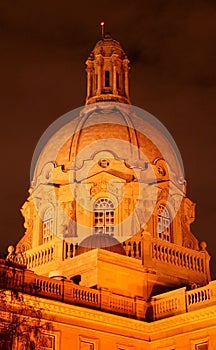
{"points": [[105, 176]]}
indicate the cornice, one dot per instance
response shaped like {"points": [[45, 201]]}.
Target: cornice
{"points": [[119, 325]]}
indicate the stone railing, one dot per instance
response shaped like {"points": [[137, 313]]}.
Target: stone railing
{"points": [[69, 249], [168, 304], [17, 278], [202, 296], [173, 254], [117, 303], [180, 301], [10, 277], [160, 254], [26, 281], [82, 295], [40, 256], [43, 254], [153, 252], [50, 251], [133, 248]]}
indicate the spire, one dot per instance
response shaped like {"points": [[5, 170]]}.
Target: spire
{"points": [[107, 72], [102, 29]]}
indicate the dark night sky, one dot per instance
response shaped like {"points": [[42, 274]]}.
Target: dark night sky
{"points": [[171, 46]]}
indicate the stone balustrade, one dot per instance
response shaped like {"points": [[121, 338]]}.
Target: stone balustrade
{"points": [[40, 256], [180, 301], [168, 304], [133, 248], [82, 295], [156, 252], [17, 278], [69, 249], [179, 256], [20, 279], [152, 251], [117, 303], [201, 296]]}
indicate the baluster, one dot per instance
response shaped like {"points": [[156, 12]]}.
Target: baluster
{"points": [[134, 249], [189, 299], [198, 297], [176, 257]]}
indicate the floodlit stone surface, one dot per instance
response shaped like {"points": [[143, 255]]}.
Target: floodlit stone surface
{"points": [[108, 254]]}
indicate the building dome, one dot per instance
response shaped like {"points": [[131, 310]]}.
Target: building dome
{"points": [[102, 241], [109, 175], [124, 131], [108, 122], [105, 166], [107, 46]]}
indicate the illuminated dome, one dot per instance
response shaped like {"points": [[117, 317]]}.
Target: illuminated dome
{"points": [[108, 46], [106, 150], [108, 122], [127, 132], [108, 175], [102, 241]]}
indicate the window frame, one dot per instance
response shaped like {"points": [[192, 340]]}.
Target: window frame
{"points": [[107, 79], [165, 220], [199, 341], [104, 216], [47, 225], [92, 341]]}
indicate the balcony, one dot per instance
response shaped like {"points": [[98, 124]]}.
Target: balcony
{"points": [[19, 279]]}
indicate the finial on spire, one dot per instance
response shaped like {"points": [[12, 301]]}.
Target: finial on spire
{"points": [[102, 28]]}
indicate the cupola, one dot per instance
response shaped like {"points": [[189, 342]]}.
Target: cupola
{"points": [[107, 72]]}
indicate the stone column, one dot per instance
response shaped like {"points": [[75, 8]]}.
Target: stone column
{"points": [[114, 64], [88, 70], [99, 63], [146, 249], [126, 82]]}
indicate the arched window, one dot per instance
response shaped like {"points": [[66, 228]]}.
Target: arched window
{"points": [[164, 223], [47, 225], [104, 216]]}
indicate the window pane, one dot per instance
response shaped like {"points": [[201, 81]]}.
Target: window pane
{"points": [[163, 223], [107, 78], [86, 346], [104, 216], [202, 346], [47, 226]]}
